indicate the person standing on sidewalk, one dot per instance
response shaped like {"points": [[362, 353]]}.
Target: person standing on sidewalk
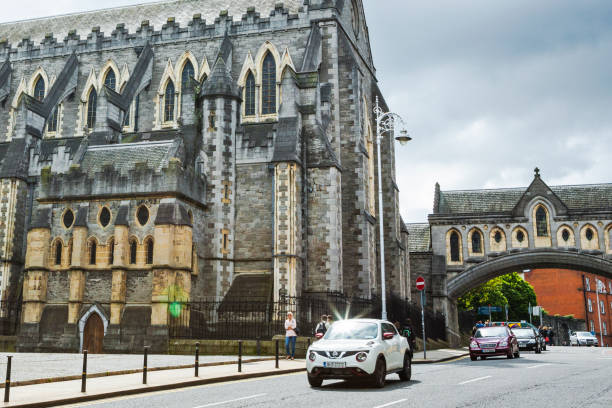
{"points": [[290, 336], [322, 326]]}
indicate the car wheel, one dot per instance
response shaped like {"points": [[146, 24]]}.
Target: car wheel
{"points": [[473, 358], [315, 382], [406, 373], [483, 357], [380, 374]]}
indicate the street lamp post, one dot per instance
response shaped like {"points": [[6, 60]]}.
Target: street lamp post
{"points": [[599, 284], [385, 122]]}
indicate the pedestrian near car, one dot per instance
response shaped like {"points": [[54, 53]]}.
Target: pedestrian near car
{"points": [[409, 334], [322, 326], [551, 336], [290, 336], [330, 321]]}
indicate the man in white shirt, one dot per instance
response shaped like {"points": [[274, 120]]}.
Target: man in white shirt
{"points": [[290, 336]]}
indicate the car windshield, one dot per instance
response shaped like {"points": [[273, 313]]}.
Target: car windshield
{"points": [[348, 330], [584, 334], [523, 332], [491, 332]]}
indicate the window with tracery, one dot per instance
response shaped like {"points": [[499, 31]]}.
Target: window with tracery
{"points": [[92, 105], [188, 73], [110, 80], [541, 222], [169, 102], [476, 242], [268, 86], [249, 95], [39, 89], [149, 252], [454, 247], [133, 250]]}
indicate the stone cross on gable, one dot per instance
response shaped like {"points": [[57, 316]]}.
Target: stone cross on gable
{"points": [[537, 172]]}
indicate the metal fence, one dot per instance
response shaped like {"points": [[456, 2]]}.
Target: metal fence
{"points": [[262, 319], [10, 317]]}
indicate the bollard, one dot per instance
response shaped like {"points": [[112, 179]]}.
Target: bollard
{"points": [[276, 353], [239, 356], [197, 362], [84, 376], [7, 383], [144, 368]]}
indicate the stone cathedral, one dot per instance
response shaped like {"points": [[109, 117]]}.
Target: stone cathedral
{"points": [[182, 151]]}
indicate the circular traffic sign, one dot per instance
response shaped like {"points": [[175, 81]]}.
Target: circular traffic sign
{"points": [[420, 283]]}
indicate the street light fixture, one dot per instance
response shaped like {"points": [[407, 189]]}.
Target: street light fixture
{"points": [[385, 122]]}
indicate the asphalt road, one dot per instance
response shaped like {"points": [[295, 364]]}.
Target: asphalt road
{"points": [[561, 377]]}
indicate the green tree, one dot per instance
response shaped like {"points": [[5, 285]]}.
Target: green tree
{"points": [[509, 289]]}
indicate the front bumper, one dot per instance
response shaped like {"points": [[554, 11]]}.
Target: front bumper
{"points": [[527, 346], [499, 351], [352, 368]]}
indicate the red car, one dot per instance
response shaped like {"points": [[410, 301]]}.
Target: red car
{"points": [[493, 341]]}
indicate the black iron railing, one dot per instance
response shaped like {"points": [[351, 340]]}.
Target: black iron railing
{"points": [[262, 319]]}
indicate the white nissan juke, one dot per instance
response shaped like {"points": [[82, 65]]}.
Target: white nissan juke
{"points": [[359, 348]]}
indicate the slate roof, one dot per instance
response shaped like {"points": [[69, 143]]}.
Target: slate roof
{"points": [[419, 238], [575, 197], [132, 16], [124, 157]]}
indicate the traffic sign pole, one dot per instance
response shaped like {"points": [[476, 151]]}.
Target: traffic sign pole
{"points": [[420, 285]]}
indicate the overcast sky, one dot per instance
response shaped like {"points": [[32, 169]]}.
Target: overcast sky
{"points": [[489, 89]]}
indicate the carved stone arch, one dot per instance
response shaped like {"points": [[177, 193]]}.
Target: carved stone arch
{"points": [[204, 70], [494, 245], [247, 66], [449, 250], [92, 244], [516, 242], [470, 242], [92, 82], [53, 251], [285, 62], [95, 308], [571, 241], [21, 89], [168, 75], [109, 65], [608, 240], [585, 242], [541, 239], [39, 72], [259, 59], [180, 64]]}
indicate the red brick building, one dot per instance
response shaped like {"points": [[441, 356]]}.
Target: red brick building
{"points": [[567, 292]]}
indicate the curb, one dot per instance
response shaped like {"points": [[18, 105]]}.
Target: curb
{"points": [[441, 360], [163, 387], [134, 371]]}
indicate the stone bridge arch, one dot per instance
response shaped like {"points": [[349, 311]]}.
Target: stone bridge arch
{"points": [[529, 259]]}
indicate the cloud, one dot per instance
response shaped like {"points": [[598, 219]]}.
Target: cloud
{"points": [[492, 89]]}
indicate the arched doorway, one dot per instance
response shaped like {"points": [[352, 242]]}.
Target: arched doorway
{"points": [[93, 334]]}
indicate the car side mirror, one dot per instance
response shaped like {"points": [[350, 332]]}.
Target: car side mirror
{"points": [[319, 336], [388, 335]]}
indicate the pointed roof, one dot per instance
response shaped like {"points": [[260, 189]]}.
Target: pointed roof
{"points": [[220, 82], [512, 201]]}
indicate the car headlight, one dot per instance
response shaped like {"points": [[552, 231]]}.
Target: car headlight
{"points": [[531, 340], [503, 343], [361, 357], [474, 345], [312, 356]]}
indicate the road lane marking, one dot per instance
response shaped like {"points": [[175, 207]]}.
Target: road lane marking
{"points": [[214, 404], [391, 403], [474, 380], [539, 365]]}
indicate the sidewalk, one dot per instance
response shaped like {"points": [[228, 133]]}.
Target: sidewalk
{"points": [[439, 356], [68, 392]]}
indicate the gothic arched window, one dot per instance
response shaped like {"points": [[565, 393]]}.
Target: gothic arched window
{"points": [[58, 253], [111, 252], [52, 123], [454, 247], [476, 242], [149, 246], [188, 73], [92, 105], [169, 102], [39, 89], [93, 248], [133, 249], [249, 95], [268, 85], [111, 79], [541, 222]]}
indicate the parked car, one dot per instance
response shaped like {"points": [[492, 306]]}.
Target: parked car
{"points": [[583, 338], [494, 341], [528, 339], [359, 348]]}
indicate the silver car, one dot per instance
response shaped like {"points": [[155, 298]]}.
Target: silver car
{"points": [[583, 338]]}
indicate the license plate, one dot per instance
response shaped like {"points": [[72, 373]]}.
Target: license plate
{"points": [[488, 350], [334, 365]]}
